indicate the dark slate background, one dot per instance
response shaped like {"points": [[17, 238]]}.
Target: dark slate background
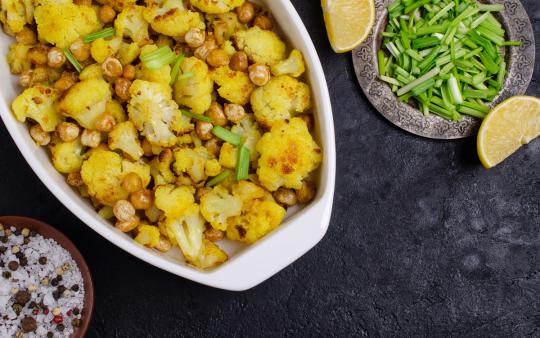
{"points": [[423, 241]]}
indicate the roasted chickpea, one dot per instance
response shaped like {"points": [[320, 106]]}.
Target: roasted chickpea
{"points": [[234, 112], [26, 79], [75, 179], [142, 199], [147, 148], [202, 51], [246, 12], [259, 74], [215, 112], [129, 225], [55, 58], [112, 67], [105, 122], [129, 72], [164, 244], [306, 193], [68, 131], [132, 183], [239, 62], [263, 22], [91, 138], [213, 235], [123, 210], [38, 55], [213, 146], [80, 50], [63, 84], [204, 130], [121, 88], [217, 58], [41, 137], [286, 197], [195, 37], [106, 14], [26, 36]]}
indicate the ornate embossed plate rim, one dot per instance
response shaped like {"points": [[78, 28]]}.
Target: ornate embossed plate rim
{"points": [[520, 70]]}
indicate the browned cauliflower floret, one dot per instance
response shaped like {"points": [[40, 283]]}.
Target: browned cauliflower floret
{"points": [[254, 223], [228, 156], [161, 75], [187, 231], [128, 52], [161, 168], [92, 71], [115, 108], [196, 162], [225, 26], [261, 46], [153, 112], [279, 99], [131, 23], [140, 168], [17, 58], [38, 104], [85, 101], [293, 66], [218, 205], [118, 5], [124, 137], [195, 91], [13, 15], [169, 17], [216, 6], [234, 86], [63, 24], [148, 235], [67, 157], [288, 155], [210, 256], [174, 201], [102, 49], [248, 191]]}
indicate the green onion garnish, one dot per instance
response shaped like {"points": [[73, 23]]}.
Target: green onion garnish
{"points": [[226, 135], [219, 178], [185, 75], [102, 34], [242, 168], [176, 68], [72, 60], [158, 58], [196, 116]]}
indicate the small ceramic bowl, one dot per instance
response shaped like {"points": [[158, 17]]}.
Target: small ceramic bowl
{"points": [[48, 231]]}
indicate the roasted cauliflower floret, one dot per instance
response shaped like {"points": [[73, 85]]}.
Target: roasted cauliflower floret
{"points": [[118, 5], [93, 71], [38, 104], [248, 129], [216, 6], [161, 75], [228, 156], [140, 168], [102, 49], [279, 99], [148, 235], [234, 86], [153, 112], [67, 157], [85, 101], [196, 162], [187, 231], [132, 24], [161, 168], [63, 24], [13, 15], [174, 201], [170, 18], [194, 92], [218, 205], [210, 256], [288, 155], [17, 58], [261, 218], [225, 26], [114, 108], [261, 46], [124, 137], [294, 65], [247, 191], [128, 52]]}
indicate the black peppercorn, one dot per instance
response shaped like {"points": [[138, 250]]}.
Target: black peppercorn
{"points": [[23, 261], [54, 282], [33, 233], [2, 249], [42, 260], [3, 239], [50, 334], [6, 274], [26, 241], [61, 289], [56, 295], [75, 288], [60, 327], [13, 265], [76, 311]]}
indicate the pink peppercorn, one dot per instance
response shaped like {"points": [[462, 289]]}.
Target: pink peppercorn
{"points": [[45, 311], [58, 319], [69, 313], [35, 312]]}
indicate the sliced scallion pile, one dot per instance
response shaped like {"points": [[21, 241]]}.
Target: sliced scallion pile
{"points": [[444, 54]]}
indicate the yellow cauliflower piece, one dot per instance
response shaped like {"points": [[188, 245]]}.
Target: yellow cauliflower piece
{"points": [[161, 75], [255, 223], [216, 6], [13, 15], [92, 71], [224, 26], [279, 99], [148, 235], [194, 92], [288, 155], [115, 108], [210, 256], [102, 173], [248, 129], [153, 112], [187, 231], [218, 205], [17, 58], [161, 168], [102, 49], [196, 162], [128, 52], [63, 24], [131, 23], [118, 5], [124, 136], [140, 168], [170, 18], [247, 191], [294, 65], [85, 101], [67, 157], [261, 46], [38, 104], [174, 201], [106, 212], [228, 156], [234, 86]]}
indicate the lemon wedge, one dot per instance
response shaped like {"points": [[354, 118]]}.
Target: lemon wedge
{"points": [[512, 124], [348, 22]]}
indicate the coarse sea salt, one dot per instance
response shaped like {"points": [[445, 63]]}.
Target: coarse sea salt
{"points": [[42, 275]]}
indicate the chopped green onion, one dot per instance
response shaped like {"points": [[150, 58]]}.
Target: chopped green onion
{"points": [[219, 178], [196, 116], [242, 168], [102, 34], [380, 61], [512, 43], [227, 136], [186, 75], [454, 90], [490, 8], [72, 60], [434, 72], [176, 68], [158, 58]]}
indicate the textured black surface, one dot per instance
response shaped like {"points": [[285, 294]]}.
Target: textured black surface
{"points": [[423, 241]]}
